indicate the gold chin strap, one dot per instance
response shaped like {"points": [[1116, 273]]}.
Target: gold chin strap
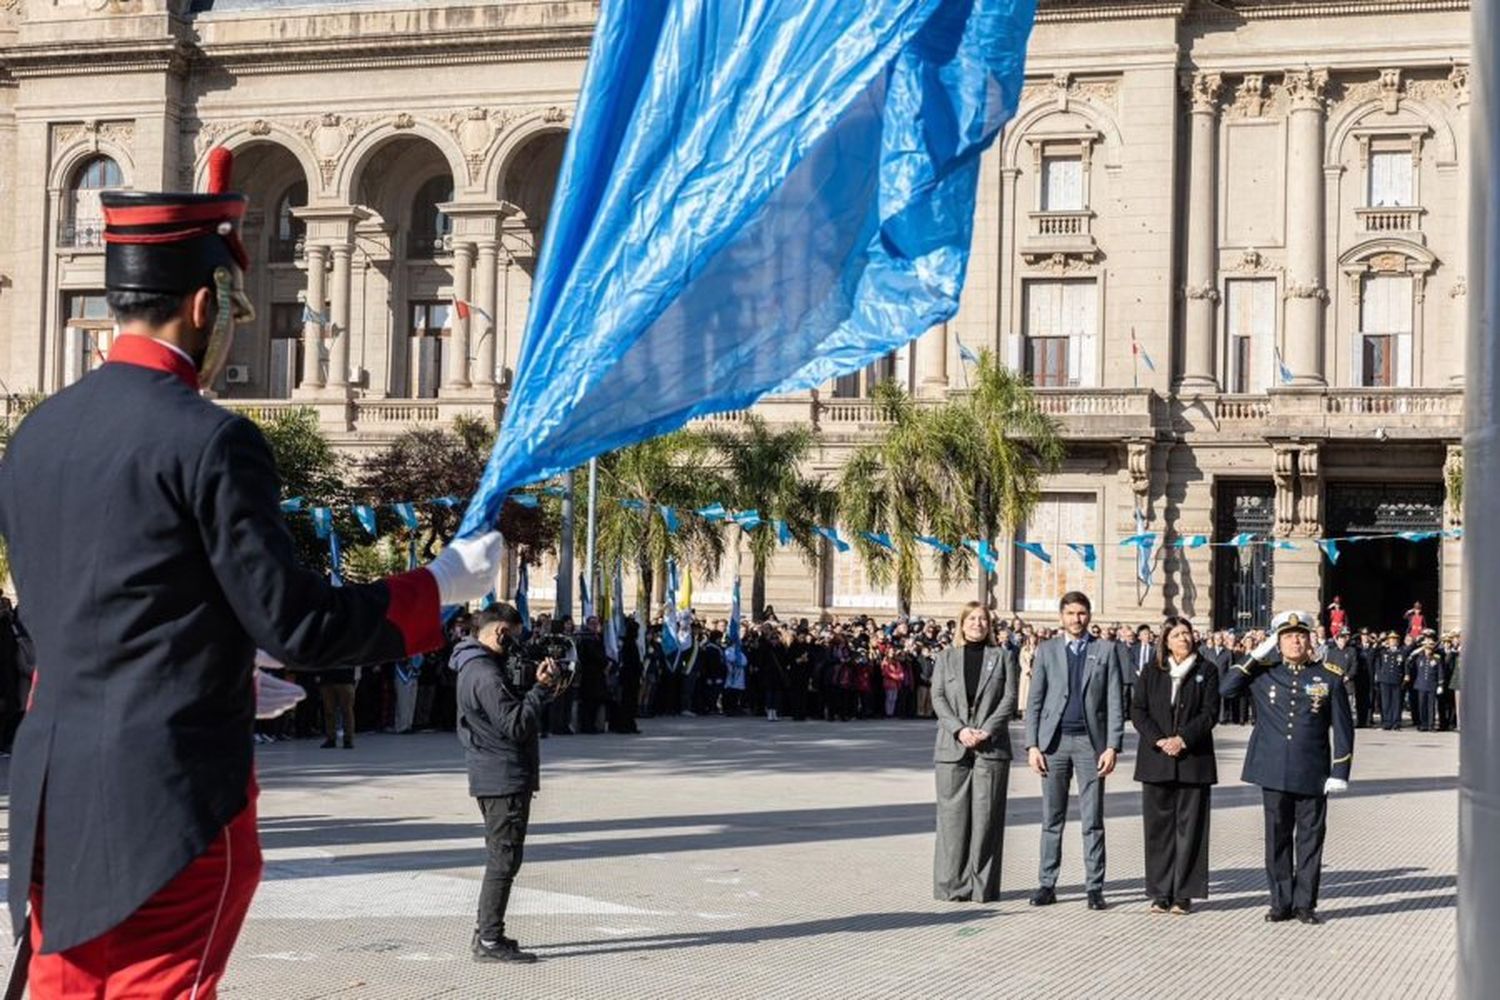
{"points": [[233, 308]]}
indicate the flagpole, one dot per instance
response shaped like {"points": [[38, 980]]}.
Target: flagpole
{"points": [[1478, 770], [564, 604], [1135, 361], [593, 526]]}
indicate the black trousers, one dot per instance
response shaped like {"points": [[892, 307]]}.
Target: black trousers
{"points": [[1176, 822], [1294, 823], [1362, 700], [505, 819], [1427, 702], [1390, 706]]}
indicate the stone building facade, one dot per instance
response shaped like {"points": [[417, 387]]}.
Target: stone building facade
{"points": [[1226, 240]]}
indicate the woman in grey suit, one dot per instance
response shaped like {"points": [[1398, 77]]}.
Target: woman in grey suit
{"points": [[974, 685]]}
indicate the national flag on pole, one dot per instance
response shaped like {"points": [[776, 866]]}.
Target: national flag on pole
{"points": [[464, 308], [523, 602], [311, 315], [336, 558], [686, 602], [584, 600], [1282, 370], [758, 196], [1144, 541], [1140, 352], [967, 354], [614, 621]]}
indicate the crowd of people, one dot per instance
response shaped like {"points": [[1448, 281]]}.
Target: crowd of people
{"points": [[839, 670]]}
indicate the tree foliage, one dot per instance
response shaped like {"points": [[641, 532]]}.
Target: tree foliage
{"points": [[970, 467]]}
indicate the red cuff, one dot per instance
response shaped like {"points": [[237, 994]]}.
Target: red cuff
{"points": [[414, 609]]}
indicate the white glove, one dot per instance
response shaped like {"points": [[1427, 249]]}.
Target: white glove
{"points": [[465, 570], [273, 696], [1259, 653], [1335, 785]]}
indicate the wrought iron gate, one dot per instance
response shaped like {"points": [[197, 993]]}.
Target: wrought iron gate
{"points": [[1242, 576]]}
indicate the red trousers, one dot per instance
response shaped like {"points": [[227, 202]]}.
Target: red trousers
{"points": [[175, 947]]}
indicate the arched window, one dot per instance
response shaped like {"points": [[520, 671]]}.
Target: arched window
{"points": [[428, 224], [83, 218], [286, 241]]}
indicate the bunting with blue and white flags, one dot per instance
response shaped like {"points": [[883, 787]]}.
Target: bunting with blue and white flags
{"points": [[833, 536], [365, 515], [1036, 549], [523, 603], [783, 533], [936, 544], [988, 561], [713, 512], [1087, 553], [748, 520], [408, 514], [1330, 547], [758, 196], [879, 539], [322, 518], [669, 519]]}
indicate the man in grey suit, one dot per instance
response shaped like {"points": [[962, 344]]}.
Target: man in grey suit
{"points": [[1075, 725], [974, 686]]}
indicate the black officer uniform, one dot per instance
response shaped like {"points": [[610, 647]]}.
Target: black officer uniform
{"points": [[1347, 660], [1297, 708], [146, 538], [1364, 684], [1390, 678], [1426, 670]]}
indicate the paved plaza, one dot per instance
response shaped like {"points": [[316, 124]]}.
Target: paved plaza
{"points": [[732, 858]]}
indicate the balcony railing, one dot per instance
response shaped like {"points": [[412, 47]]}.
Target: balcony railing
{"points": [[1072, 223], [1230, 409], [1401, 219], [79, 234], [1395, 402]]}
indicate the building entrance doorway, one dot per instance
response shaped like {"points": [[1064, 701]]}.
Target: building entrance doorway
{"points": [[1379, 578], [1242, 575]]}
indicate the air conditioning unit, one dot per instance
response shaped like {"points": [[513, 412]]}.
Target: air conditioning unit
{"points": [[237, 374]]}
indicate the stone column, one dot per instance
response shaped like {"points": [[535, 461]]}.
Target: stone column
{"points": [[312, 331], [1305, 292], [484, 374], [1201, 289], [338, 352], [458, 342], [932, 361]]}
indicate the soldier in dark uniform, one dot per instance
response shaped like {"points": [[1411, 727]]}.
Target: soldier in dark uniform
{"points": [[1390, 679], [1343, 655], [146, 539], [1425, 669], [1299, 703], [1448, 695], [1367, 651]]}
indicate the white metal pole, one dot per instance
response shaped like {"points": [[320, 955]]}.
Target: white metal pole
{"points": [[1479, 744]]}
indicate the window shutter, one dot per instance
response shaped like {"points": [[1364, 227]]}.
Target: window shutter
{"points": [[1013, 359], [1357, 359], [1085, 313], [1403, 360]]}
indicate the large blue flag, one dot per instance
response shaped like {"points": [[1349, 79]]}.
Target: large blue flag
{"points": [[759, 195]]}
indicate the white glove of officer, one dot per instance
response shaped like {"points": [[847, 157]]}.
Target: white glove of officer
{"points": [[465, 570], [1265, 649], [1334, 786], [273, 696]]}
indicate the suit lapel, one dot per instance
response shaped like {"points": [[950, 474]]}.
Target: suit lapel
{"points": [[956, 670], [987, 674]]}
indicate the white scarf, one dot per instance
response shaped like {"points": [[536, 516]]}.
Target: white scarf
{"points": [[1179, 671]]}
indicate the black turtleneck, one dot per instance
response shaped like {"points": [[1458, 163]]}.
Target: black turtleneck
{"points": [[973, 664]]}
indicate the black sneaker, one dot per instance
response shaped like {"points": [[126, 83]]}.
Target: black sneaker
{"points": [[1045, 896], [504, 950]]}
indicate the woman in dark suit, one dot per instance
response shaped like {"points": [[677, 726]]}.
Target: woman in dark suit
{"points": [[974, 686], [1174, 708]]}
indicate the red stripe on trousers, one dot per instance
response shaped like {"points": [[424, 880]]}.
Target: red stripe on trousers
{"points": [[175, 947]]}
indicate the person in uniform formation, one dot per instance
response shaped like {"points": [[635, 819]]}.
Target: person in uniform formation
{"points": [[1390, 680], [1301, 707], [146, 536]]}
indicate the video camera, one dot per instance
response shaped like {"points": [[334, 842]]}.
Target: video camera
{"points": [[528, 656]]}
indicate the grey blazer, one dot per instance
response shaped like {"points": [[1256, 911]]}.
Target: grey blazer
{"points": [[994, 702], [1103, 698]]}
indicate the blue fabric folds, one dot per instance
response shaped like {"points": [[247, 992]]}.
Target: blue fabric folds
{"points": [[759, 195]]}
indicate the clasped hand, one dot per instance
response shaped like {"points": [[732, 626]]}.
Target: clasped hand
{"points": [[1172, 746], [973, 738]]}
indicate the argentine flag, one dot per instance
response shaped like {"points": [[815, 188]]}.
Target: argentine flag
{"points": [[759, 195]]}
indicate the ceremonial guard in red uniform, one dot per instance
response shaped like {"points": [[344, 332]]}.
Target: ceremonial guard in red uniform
{"points": [[146, 537]]}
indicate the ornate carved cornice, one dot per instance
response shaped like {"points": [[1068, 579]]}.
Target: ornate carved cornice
{"points": [[431, 49], [85, 58], [1203, 91]]}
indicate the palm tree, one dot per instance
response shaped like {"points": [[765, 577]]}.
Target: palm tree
{"points": [[669, 471], [970, 467], [763, 469]]}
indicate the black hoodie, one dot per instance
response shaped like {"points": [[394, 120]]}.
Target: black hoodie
{"points": [[497, 724]]}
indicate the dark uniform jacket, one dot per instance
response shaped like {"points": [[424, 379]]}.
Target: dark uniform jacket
{"points": [[146, 537], [499, 725], [1390, 665], [1296, 711], [1346, 659], [1426, 670]]}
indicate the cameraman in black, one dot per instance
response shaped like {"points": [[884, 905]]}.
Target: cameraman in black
{"points": [[501, 708]]}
